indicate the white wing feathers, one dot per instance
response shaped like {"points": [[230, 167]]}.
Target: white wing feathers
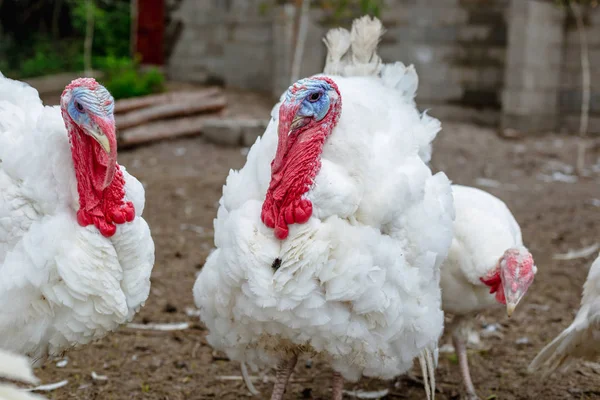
{"points": [[582, 338]]}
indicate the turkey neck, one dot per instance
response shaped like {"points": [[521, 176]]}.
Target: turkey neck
{"points": [[100, 185], [293, 170]]}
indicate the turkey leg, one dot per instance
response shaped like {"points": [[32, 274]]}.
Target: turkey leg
{"points": [[284, 370], [337, 386], [461, 351]]}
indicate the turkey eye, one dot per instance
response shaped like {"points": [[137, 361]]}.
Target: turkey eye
{"points": [[79, 107], [314, 97]]}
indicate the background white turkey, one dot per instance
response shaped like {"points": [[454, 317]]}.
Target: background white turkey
{"points": [[346, 264], [582, 338], [75, 253], [17, 368], [487, 266]]}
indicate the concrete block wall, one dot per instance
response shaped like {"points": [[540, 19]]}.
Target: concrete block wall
{"points": [[513, 63], [533, 67], [570, 84], [458, 48], [222, 40]]}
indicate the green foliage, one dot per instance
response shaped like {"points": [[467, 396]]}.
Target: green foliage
{"points": [[111, 25], [123, 78], [110, 51], [51, 58], [347, 9]]}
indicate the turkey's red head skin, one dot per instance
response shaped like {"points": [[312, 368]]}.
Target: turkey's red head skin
{"points": [[297, 161], [100, 181], [512, 276]]}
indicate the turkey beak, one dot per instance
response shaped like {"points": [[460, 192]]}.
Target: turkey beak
{"points": [[512, 299], [99, 136], [510, 308], [298, 122], [103, 130]]}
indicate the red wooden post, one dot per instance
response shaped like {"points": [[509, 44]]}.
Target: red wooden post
{"points": [[150, 31]]}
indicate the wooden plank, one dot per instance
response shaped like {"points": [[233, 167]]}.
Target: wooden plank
{"points": [[180, 109], [163, 130], [135, 103]]}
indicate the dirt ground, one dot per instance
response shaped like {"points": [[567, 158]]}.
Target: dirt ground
{"points": [[183, 180]]}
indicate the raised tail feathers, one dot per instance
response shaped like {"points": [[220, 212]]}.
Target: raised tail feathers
{"points": [[364, 38], [337, 42]]}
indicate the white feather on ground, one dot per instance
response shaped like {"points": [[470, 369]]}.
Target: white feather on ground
{"points": [[582, 338], [66, 285]]}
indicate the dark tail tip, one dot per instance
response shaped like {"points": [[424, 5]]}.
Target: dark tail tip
{"points": [[276, 264]]}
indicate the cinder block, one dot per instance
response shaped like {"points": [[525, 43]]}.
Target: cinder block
{"points": [[531, 123], [531, 78], [247, 66], [529, 102], [474, 33], [570, 123], [570, 101], [449, 112], [256, 33]]}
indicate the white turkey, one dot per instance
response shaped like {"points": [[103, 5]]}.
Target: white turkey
{"points": [[17, 368], [582, 338], [329, 240], [75, 253], [487, 266]]}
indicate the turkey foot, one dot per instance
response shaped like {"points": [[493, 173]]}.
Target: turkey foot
{"points": [[461, 352], [337, 386], [284, 370]]}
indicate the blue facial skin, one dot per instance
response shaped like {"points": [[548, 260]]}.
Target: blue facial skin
{"points": [[313, 95], [85, 102]]}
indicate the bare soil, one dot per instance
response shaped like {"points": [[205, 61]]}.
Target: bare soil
{"points": [[183, 180]]}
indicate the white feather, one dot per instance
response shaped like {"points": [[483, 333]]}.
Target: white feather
{"points": [[483, 230], [364, 37], [582, 338], [359, 282], [17, 368], [337, 42], [66, 285]]}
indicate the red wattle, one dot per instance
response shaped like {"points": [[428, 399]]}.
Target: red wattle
{"points": [[100, 205], [495, 283], [296, 163]]}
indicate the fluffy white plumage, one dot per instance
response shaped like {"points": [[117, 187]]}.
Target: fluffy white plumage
{"points": [[483, 230], [359, 282], [487, 245], [66, 285], [582, 338], [17, 368]]}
